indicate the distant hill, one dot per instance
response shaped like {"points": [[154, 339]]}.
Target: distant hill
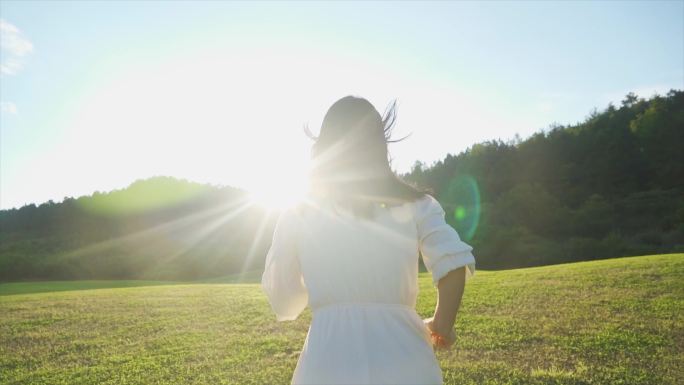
{"points": [[610, 186], [158, 228]]}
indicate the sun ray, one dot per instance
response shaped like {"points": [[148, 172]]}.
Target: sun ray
{"points": [[204, 232], [255, 241], [167, 226]]}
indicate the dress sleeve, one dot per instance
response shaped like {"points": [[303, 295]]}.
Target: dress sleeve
{"points": [[282, 280], [441, 247]]}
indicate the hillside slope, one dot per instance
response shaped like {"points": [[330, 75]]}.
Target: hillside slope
{"points": [[159, 228], [609, 186], [615, 321]]}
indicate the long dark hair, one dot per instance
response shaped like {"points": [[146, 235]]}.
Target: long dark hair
{"points": [[350, 159]]}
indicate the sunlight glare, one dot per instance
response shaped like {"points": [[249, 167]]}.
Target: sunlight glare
{"points": [[276, 187], [274, 197]]}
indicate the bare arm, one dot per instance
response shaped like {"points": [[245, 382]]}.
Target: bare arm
{"points": [[450, 291]]}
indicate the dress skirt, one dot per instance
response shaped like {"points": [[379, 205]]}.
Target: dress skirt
{"points": [[367, 343]]}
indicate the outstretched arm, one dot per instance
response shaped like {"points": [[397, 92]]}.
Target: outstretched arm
{"points": [[450, 262], [450, 290], [282, 280]]}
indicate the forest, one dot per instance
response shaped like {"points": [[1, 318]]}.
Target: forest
{"points": [[609, 186], [612, 185]]}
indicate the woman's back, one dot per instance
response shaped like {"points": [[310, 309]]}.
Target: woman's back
{"points": [[348, 259]]}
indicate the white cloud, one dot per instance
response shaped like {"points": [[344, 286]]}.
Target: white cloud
{"points": [[8, 108], [14, 47]]}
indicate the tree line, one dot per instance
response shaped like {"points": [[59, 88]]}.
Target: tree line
{"points": [[158, 228], [610, 186]]}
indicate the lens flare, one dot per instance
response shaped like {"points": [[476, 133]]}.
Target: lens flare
{"points": [[464, 193], [460, 213]]}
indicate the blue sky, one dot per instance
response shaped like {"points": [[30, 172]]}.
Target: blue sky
{"points": [[97, 94]]}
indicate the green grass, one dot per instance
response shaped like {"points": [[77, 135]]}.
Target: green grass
{"points": [[12, 288], [617, 321], [50, 286]]}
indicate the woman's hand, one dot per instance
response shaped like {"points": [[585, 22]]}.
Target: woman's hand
{"points": [[441, 339], [441, 325]]}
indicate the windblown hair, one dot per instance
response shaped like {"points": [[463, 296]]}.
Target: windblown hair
{"points": [[350, 159]]}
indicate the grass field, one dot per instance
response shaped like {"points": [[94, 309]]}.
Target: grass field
{"points": [[617, 321]]}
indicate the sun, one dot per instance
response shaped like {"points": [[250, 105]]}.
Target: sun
{"points": [[279, 192], [277, 198]]}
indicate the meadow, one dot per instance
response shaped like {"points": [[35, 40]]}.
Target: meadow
{"points": [[615, 321]]}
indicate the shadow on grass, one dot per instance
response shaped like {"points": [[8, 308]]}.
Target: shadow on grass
{"points": [[13, 288], [31, 287]]}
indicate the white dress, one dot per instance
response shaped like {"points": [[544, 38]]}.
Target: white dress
{"points": [[360, 279]]}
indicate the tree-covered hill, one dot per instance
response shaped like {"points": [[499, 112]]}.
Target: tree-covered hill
{"points": [[159, 228], [610, 186]]}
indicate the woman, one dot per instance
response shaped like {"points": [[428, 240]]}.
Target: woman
{"points": [[351, 253]]}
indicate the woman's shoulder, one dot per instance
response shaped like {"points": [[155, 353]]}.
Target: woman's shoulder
{"points": [[427, 205], [419, 207], [426, 201]]}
